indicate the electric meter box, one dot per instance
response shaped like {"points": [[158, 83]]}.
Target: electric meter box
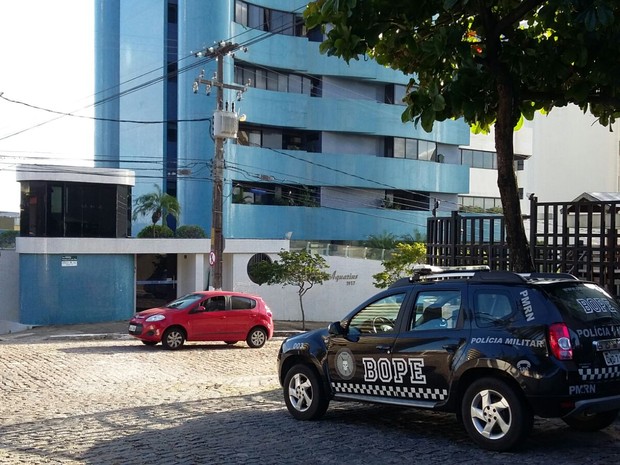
{"points": [[225, 124]]}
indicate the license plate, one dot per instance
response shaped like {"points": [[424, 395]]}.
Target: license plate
{"points": [[612, 357], [132, 328]]}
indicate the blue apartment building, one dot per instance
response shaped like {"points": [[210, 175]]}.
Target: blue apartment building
{"points": [[321, 150], [321, 156]]}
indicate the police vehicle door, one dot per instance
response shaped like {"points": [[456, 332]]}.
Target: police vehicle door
{"points": [[425, 352], [360, 360]]}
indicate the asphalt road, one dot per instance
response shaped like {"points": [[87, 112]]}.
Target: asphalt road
{"points": [[115, 401]]}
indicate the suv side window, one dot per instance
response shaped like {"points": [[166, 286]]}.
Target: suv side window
{"points": [[492, 307], [379, 316], [436, 309]]}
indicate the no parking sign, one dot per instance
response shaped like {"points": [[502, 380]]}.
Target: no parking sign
{"points": [[211, 258]]}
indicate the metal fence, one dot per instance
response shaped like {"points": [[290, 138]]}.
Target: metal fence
{"points": [[580, 238]]}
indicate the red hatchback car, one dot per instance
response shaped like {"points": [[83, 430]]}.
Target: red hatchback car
{"points": [[205, 316]]}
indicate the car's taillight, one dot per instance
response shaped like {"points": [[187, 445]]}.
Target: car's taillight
{"points": [[559, 340]]}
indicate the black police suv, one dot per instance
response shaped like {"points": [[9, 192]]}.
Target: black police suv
{"points": [[496, 348]]}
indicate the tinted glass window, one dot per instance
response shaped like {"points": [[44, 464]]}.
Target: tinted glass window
{"points": [[242, 303], [492, 308], [214, 304], [584, 302], [436, 309], [380, 316]]}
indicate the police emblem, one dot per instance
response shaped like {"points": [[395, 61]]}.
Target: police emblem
{"points": [[345, 364]]}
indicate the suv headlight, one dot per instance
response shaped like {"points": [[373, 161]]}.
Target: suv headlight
{"points": [[153, 318]]}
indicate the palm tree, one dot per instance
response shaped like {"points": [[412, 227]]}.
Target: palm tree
{"points": [[159, 204]]}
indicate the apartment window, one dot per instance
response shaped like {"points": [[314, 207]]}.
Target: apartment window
{"points": [[241, 13], [427, 150], [407, 200], [296, 195], [262, 78], [479, 159], [266, 19], [281, 22], [70, 209], [278, 139], [414, 149], [394, 94], [473, 204]]}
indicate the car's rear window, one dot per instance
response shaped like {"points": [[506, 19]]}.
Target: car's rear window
{"points": [[584, 302]]}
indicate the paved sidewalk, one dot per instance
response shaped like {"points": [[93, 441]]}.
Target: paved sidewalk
{"points": [[118, 330]]}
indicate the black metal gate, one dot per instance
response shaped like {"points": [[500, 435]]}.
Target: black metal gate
{"points": [[467, 239], [580, 238]]}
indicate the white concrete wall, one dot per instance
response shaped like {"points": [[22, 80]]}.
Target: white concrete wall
{"points": [[573, 154], [570, 154], [330, 301]]}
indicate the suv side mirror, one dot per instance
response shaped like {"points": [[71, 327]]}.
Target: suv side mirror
{"points": [[336, 329]]}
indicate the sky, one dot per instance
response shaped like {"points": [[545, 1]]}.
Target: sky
{"points": [[46, 61]]}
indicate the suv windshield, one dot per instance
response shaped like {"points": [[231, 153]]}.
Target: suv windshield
{"points": [[584, 302]]}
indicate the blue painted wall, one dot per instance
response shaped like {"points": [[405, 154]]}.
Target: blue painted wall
{"points": [[100, 288]]}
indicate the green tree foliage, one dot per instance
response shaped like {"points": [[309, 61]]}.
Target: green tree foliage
{"points": [[155, 231], [295, 268], [400, 264], [489, 62], [190, 231], [158, 204]]}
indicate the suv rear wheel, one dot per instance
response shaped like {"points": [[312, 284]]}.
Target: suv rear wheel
{"points": [[591, 422], [303, 394], [494, 415]]}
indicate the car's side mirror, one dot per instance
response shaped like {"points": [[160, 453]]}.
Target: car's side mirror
{"points": [[198, 309], [336, 329]]}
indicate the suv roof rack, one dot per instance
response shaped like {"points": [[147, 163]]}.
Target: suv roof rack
{"points": [[477, 273]]}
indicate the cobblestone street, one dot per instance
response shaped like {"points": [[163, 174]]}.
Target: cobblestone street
{"points": [[119, 402]]}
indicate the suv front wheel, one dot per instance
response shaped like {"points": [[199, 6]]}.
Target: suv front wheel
{"points": [[304, 396], [494, 415]]}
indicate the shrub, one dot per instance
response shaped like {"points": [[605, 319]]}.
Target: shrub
{"points": [[7, 239], [190, 231], [156, 231]]}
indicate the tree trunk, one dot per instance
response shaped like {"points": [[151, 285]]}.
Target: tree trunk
{"points": [[520, 258], [303, 315]]}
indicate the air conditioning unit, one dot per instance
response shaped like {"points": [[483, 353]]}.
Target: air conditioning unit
{"points": [[225, 124]]}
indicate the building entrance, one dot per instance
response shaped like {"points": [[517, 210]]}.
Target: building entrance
{"points": [[156, 280]]}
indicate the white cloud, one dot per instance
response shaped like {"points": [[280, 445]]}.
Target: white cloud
{"points": [[47, 58]]}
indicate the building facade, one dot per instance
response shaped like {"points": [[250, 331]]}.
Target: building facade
{"points": [[321, 152]]}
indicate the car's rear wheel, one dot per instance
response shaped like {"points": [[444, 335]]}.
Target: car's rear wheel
{"points": [[149, 343], [304, 396], [173, 338], [257, 337], [591, 422], [494, 415]]}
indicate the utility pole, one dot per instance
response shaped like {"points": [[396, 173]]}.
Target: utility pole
{"points": [[225, 126]]}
